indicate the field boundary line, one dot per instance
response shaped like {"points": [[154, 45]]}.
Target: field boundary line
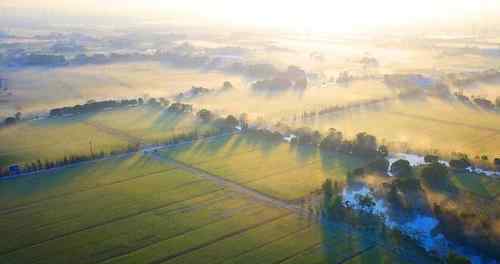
{"points": [[231, 185], [221, 238], [109, 221], [6, 211], [313, 246], [264, 244], [189, 230], [145, 148], [357, 253], [176, 233], [114, 132]]}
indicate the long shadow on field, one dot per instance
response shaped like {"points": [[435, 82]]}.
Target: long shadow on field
{"points": [[305, 154], [69, 120], [341, 242], [67, 181], [166, 120], [338, 165], [266, 146], [206, 148]]}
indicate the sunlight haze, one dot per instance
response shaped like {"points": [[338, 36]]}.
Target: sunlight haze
{"points": [[313, 15], [250, 132]]}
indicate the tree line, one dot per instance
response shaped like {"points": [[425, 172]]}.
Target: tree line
{"points": [[39, 165], [221, 125], [93, 106], [479, 101], [337, 108]]}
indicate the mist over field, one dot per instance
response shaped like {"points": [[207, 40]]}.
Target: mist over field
{"points": [[256, 132]]}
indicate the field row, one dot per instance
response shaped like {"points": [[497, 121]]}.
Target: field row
{"points": [[53, 139], [290, 172], [147, 212], [277, 169]]}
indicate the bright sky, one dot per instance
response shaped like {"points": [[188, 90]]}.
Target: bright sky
{"points": [[320, 15]]}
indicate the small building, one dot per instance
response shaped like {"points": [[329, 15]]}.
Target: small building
{"points": [[14, 169]]}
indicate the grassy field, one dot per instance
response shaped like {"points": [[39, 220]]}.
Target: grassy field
{"points": [[423, 126], [148, 124], [277, 169], [139, 210], [483, 186], [39, 89], [54, 138]]}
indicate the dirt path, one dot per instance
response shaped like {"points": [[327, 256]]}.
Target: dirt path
{"points": [[115, 132], [255, 195]]}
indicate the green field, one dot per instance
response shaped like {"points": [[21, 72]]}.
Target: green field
{"points": [[422, 126], [483, 186], [478, 185], [148, 124], [54, 138], [139, 210], [278, 169]]}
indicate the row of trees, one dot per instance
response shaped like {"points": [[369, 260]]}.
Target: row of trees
{"points": [[221, 124], [224, 123], [66, 160], [480, 101], [93, 106], [338, 108], [363, 144], [228, 124]]}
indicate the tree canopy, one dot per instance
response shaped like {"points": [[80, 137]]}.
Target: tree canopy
{"points": [[401, 168], [435, 174]]}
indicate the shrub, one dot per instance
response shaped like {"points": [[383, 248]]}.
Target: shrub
{"points": [[379, 165], [435, 174], [401, 168], [431, 158], [460, 164]]}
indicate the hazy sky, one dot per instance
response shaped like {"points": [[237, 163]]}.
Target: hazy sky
{"points": [[320, 15]]}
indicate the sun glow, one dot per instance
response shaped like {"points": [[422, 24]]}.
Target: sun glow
{"points": [[311, 15]]}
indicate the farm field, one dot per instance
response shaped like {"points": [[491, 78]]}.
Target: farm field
{"points": [[139, 210], [39, 89], [483, 186], [277, 169], [54, 138], [148, 124], [422, 126]]}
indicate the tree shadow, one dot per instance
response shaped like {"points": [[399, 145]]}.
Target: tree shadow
{"points": [[165, 120], [336, 165], [265, 145], [305, 153]]}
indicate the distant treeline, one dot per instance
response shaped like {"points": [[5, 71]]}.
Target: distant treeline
{"points": [[96, 106], [54, 60], [468, 78], [221, 125], [326, 110], [93, 106], [479, 101], [363, 144]]}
